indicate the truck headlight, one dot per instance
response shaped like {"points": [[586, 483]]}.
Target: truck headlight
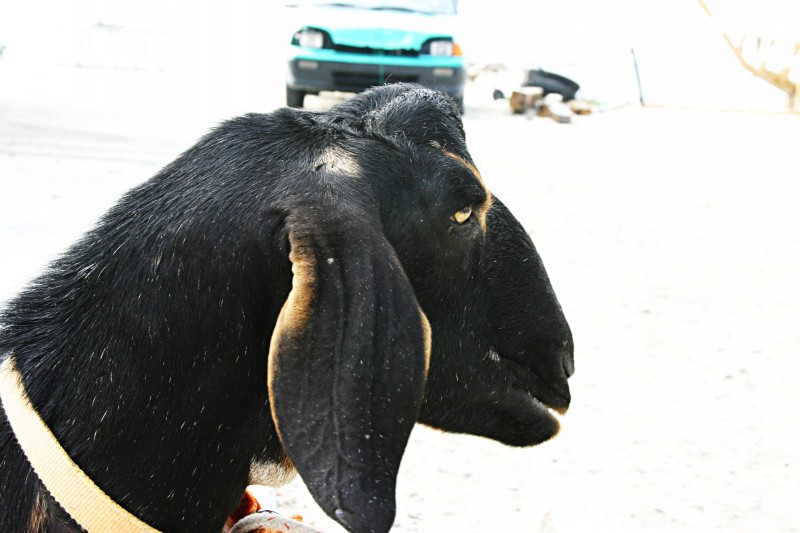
{"points": [[309, 38], [441, 47]]}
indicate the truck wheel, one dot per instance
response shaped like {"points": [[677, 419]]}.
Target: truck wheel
{"points": [[294, 97], [460, 103]]}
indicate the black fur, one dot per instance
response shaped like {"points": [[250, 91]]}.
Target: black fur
{"points": [[146, 346]]}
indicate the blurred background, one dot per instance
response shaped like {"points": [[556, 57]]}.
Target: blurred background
{"points": [[232, 54], [669, 229]]}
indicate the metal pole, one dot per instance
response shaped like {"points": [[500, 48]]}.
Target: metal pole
{"points": [[638, 79]]}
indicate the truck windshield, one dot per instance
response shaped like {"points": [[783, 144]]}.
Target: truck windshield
{"points": [[431, 7]]}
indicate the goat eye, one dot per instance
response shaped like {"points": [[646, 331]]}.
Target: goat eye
{"points": [[462, 216]]}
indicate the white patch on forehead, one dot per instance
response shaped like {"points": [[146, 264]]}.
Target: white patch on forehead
{"points": [[271, 474], [338, 161]]}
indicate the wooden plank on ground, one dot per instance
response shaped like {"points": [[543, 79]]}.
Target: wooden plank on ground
{"points": [[525, 98]]}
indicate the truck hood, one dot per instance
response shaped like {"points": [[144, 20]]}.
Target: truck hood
{"points": [[388, 30]]}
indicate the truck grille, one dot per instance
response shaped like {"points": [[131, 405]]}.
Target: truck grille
{"points": [[359, 81], [365, 50]]}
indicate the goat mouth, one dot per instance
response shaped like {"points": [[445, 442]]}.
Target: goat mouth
{"points": [[557, 413], [543, 396], [537, 420]]}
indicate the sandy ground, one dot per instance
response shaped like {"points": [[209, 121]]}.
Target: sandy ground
{"points": [[671, 237]]}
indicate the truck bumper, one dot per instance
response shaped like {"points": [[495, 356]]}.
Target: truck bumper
{"points": [[313, 76]]}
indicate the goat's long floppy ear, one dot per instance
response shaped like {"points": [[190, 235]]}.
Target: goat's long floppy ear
{"points": [[347, 367]]}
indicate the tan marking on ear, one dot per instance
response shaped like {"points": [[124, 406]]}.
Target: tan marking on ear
{"points": [[427, 339], [295, 312], [482, 210], [297, 309]]}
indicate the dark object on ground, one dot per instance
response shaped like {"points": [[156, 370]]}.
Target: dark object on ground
{"points": [[551, 83]]}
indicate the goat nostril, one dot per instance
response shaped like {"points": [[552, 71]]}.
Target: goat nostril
{"points": [[569, 365], [568, 360]]}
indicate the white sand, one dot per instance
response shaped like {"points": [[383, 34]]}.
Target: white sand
{"points": [[671, 238]]}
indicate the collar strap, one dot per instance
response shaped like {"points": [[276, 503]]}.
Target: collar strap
{"points": [[85, 502]]}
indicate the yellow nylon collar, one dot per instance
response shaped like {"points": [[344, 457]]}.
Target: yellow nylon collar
{"points": [[85, 502]]}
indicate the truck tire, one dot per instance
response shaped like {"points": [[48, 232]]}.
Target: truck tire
{"points": [[294, 97]]}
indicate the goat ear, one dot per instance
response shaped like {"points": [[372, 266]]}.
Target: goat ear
{"points": [[347, 366]]}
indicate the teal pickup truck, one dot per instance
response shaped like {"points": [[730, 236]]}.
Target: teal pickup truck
{"points": [[351, 46]]}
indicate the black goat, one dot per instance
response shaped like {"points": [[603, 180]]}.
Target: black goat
{"points": [[297, 290]]}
